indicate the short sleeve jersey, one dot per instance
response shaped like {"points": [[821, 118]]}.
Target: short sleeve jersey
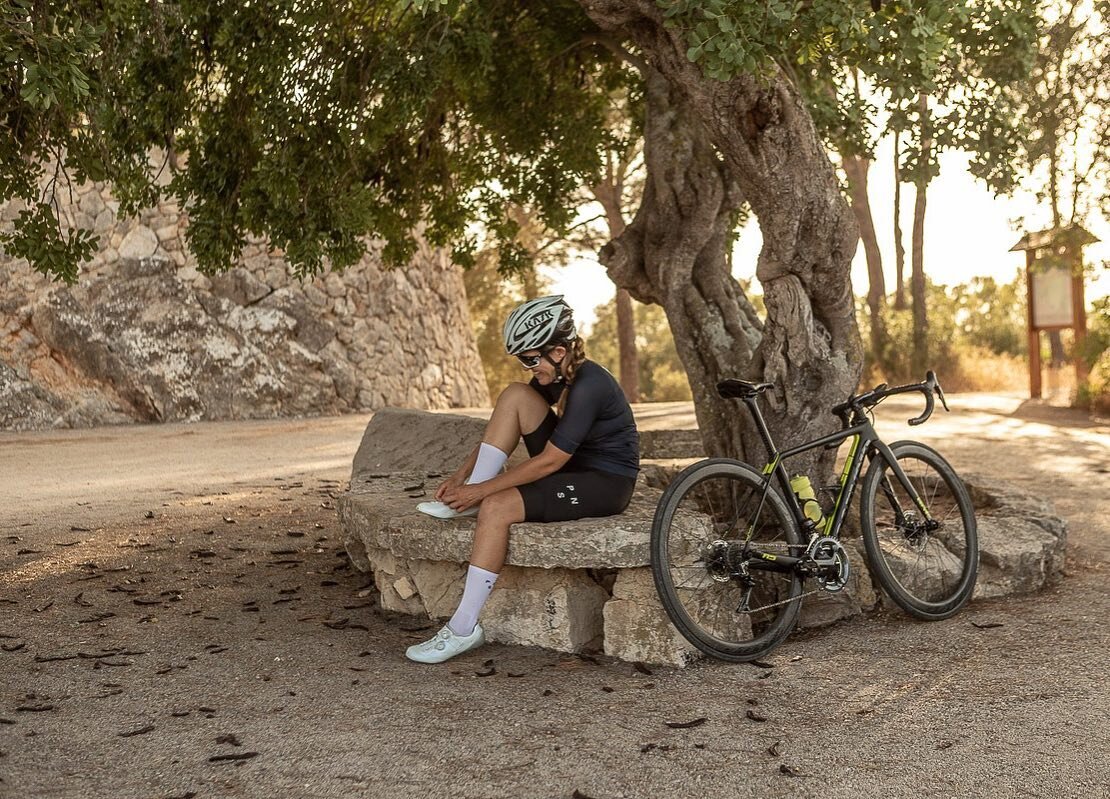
{"points": [[597, 429]]}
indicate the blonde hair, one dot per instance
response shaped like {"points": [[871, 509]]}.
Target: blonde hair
{"points": [[576, 354]]}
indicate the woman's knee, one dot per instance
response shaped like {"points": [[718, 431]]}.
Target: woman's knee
{"points": [[518, 395], [505, 506]]}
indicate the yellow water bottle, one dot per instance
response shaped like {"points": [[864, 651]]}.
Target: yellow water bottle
{"points": [[803, 489]]}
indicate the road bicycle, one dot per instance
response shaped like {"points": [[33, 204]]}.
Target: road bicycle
{"points": [[732, 547]]}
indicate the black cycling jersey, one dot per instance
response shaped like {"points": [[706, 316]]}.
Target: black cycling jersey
{"points": [[597, 429]]}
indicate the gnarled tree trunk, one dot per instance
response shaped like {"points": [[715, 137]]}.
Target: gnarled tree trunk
{"points": [[674, 254], [720, 141]]}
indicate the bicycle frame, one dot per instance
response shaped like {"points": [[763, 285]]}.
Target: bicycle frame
{"points": [[864, 446]]}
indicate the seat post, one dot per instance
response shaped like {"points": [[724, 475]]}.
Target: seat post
{"points": [[761, 426]]}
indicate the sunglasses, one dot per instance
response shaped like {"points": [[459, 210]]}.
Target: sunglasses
{"points": [[530, 361]]}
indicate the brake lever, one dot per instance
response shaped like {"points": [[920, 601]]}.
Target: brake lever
{"points": [[943, 401]]}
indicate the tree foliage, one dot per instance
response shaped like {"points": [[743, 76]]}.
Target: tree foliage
{"points": [[1066, 102], [315, 124]]}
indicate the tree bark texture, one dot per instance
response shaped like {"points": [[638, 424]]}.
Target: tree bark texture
{"points": [[920, 357], [674, 254], [856, 170], [707, 144], [899, 250], [608, 193]]}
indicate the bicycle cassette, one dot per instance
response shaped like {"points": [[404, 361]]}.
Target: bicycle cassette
{"points": [[828, 552]]}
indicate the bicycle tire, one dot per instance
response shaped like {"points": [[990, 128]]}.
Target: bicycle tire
{"points": [[691, 516], [929, 574]]}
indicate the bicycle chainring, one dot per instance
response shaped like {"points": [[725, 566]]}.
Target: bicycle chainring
{"points": [[826, 552]]}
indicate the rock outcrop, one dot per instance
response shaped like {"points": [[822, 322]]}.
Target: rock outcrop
{"points": [[143, 336]]}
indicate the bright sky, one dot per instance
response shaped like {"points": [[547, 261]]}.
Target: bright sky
{"points": [[968, 233]]}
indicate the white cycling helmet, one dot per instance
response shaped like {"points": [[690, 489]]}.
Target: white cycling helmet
{"points": [[537, 323]]}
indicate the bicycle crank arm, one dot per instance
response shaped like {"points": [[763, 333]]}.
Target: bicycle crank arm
{"points": [[768, 562], [804, 567]]}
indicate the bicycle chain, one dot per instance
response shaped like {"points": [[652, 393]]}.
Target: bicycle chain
{"points": [[799, 597]]}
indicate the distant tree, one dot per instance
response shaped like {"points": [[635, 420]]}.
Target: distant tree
{"points": [[661, 376], [991, 315]]}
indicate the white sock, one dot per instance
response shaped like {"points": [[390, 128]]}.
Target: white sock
{"points": [[489, 463], [479, 583]]}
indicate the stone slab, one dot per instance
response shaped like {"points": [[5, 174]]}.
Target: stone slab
{"points": [[378, 514]]}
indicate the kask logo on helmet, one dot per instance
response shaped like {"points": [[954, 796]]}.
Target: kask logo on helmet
{"points": [[538, 320]]}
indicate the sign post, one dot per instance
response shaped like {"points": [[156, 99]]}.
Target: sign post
{"points": [[1054, 281]]}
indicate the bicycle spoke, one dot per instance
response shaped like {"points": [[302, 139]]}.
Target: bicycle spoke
{"points": [[925, 559], [699, 557]]}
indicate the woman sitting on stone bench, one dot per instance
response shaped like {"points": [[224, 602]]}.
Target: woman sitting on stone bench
{"points": [[583, 461]]}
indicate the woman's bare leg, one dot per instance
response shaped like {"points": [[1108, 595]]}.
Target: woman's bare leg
{"points": [[491, 537]]}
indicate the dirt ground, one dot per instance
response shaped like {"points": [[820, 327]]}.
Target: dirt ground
{"points": [[178, 619]]}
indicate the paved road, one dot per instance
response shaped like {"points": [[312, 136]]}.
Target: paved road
{"points": [[178, 620]]}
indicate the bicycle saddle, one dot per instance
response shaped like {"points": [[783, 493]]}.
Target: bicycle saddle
{"points": [[731, 388]]}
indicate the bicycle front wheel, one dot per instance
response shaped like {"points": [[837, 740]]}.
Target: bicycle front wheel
{"points": [[711, 516], [925, 556]]}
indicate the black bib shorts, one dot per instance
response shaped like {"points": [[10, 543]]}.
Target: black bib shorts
{"points": [[571, 494]]}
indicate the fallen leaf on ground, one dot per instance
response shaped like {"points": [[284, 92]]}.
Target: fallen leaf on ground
{"points": [[140, 731], [224, 758], [686, 725]]}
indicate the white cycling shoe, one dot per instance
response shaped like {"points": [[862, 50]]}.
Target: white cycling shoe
{"points": [[445, 644], [443, 511]]}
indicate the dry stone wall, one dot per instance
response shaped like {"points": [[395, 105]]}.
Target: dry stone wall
{"points": [[144, 336]]}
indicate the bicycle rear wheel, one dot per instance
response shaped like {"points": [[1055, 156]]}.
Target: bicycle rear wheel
{"points": [[925, 557], [702, 523]]}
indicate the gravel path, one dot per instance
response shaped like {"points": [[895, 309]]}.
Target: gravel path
{"points": [[177, 619]]}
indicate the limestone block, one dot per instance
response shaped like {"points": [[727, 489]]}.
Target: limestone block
{"points": [[1016, 556], [333, 285], [239, 286], [356, 551], [91, 203], [398, 440], [167, 232], [404, 588], [140, 242], [315, 296], [637, 627], [388, 572], [103, 221], [558, 609], [440, 585]]}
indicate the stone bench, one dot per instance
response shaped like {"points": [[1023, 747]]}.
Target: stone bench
{"points": [[586, 585]]}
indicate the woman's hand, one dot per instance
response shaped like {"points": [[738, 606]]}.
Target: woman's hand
{"points": [[450, 484], [465, 496]]}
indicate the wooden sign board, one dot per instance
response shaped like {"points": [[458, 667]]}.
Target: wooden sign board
{"points": [[1053, 305]]}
